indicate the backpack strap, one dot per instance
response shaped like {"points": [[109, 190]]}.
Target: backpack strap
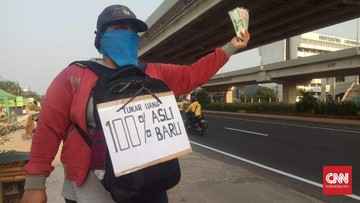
{"points": [[92, 65], [99, 70], [143, 66], [84, 135]]}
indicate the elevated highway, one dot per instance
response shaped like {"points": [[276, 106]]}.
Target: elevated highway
{"points": [[290, 73], [182, 31]]}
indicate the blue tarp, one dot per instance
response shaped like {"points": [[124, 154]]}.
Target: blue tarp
{"points": [[13, 157]]}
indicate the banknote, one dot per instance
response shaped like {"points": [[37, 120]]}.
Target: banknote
{"points": [[240, 19]]}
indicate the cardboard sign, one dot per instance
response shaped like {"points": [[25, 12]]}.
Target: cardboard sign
{"points": [[144, 132]]}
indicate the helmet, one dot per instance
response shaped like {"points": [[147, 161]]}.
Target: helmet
{"points": [[116, 13]]}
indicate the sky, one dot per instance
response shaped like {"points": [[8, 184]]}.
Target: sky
{"points": [[39, 38]]}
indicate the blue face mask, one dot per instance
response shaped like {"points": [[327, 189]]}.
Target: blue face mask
{"points": [[121, 46]]}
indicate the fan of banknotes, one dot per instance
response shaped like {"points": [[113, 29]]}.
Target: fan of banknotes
{"points": [[240, 19]]}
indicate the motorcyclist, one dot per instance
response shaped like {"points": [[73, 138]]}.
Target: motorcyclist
{"points": [[194, 112]]}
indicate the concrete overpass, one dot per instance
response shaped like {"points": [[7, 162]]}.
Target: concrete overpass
{"points": [[182, 31], [292, 72]]}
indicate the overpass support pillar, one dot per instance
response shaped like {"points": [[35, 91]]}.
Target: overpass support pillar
{"points": [[289, 93], [229, 95]]}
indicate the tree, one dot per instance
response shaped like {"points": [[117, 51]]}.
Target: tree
{"points": [[264, 94], [31, 94], [11, 87], [203, 97]]}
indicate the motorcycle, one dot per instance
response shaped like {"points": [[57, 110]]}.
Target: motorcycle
{"points": [[195, 126]]}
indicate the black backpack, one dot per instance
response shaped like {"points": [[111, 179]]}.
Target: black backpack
{"points": [[130, 82]]}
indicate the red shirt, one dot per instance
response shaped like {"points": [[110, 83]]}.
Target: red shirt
{"points": [[65, 103]]}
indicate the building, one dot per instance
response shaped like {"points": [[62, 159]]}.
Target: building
{"points": [[304, 45], [310, 44]]}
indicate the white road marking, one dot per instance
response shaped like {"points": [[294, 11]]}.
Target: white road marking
{"points": [[269, 168], [245, 131]]}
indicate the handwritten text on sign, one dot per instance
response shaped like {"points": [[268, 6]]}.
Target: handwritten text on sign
{"points": [[143, 133]]}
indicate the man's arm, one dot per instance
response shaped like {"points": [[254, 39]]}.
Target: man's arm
{"points": [[53, 122], [189, 108], [34, 196], [192, 76]]}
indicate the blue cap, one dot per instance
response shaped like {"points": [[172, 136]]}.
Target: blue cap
{"points": [[116, 13]]}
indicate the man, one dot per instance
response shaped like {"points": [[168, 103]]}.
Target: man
{"points": [[30, 125], [194, 112], [68, 102]]}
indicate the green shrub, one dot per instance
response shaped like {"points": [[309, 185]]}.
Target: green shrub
{"points": [[307, 103], [345, 108], [203, 98], [315, 107], [251, 107]]}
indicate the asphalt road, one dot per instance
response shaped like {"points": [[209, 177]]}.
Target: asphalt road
{"points": [[300, 149]]}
